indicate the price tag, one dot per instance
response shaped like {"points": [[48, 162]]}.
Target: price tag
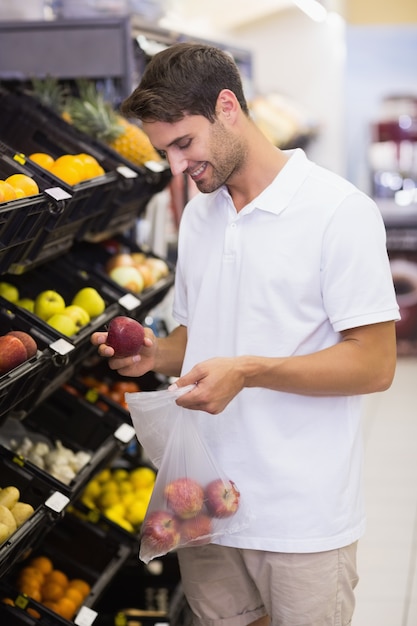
{"points": [[127, 172], [61, 346], [125, 433], [57, 193], [57, 502], [154, 166], [85, 616], [129, 301]]}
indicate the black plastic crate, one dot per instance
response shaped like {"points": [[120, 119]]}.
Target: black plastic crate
{"points": [[39, 128], [95, 257], [99, 431], [24, 220], [67, 280], [34, 492], [20, 386], [79, 550], [27, 127]]}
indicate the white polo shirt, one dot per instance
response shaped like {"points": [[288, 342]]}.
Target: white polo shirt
{"points": [[303, 261]]}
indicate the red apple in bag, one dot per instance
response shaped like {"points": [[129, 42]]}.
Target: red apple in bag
{"points": [[196, 531], [222, 498], [160, 532], [125, 336], [185, 497]]}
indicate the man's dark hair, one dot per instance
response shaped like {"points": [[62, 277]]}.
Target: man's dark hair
{"points": [[184, 79]]}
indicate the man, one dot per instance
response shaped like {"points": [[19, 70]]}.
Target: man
{"points": [[286, 313]]}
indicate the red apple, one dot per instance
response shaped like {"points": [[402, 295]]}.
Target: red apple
{"points": [[125, 336], [27, 340], [196, 530], [222, 498], [185, 497], [12, 353], [160, 532]]}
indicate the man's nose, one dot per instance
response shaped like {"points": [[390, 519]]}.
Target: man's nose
{"points": [[177, 163]]}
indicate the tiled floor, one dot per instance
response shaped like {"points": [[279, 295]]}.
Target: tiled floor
{"points": [[387, 558]]}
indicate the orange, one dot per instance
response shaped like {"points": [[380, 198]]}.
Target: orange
{"points": [[58, 577], [81, 585], [7, 192], [23, 182], [31, 574], [42, 563], [51, 592], [33, 612], [31, 590], [66, 173], [8, 601], [75, 595], [42, 159], [50, 605], [91, 167], [66, 608]]}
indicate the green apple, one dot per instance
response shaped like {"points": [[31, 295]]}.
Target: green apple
{"points": [[47, 303], [9, 292], [89, 299], [63, 324], [27, 303], [78, 315]]}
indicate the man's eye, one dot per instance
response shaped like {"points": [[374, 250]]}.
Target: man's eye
{"points": [[184, 146]]}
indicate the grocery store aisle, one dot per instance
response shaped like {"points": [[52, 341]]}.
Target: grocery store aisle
{"points": [[387, 558]]}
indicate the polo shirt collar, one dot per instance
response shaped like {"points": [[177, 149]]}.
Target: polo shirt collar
{"points": [[276, 197]]}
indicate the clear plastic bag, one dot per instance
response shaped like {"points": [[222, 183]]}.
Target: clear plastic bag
{"points": [[193, 501]]}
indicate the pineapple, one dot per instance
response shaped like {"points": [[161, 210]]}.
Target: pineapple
{"points": [[51, 93], [91, 114]]}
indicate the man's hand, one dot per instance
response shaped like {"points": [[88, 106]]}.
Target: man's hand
{"points": [[217, 381], [133, 366]]}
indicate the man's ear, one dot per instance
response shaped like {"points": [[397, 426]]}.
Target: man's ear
{"points": [[227, 105]]}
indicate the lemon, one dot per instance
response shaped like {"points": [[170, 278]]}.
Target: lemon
{"points": [[142, 477], [120, 474], [135, 512]]}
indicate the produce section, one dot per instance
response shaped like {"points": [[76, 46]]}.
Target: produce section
{"points": [[69, 265]]}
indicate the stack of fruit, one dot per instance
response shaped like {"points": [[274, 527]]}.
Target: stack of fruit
{"points": [[17, 186], [93, 115], [16, 347], [135, 271], [50, 306], [71, 168], [121, 495], [52, 587], [13, 512]]}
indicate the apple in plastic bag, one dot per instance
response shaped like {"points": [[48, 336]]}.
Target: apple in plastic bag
{"points": [[160, 532], [125, 336], [222, 498], [197, 530], [184, 496]]}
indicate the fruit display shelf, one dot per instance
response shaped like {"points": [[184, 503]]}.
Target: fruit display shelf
{"points": [[67, 281], [25, 130], [69, 426], [79, 551], [32, 127], [47, 507], [23, 221], [96, 257], [19, 387]]}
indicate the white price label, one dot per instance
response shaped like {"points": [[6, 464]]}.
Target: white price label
{"points": [[57, 193], [85, 616], [127, 172], [57, 502], [61, 346], [125, 433], [129, 301]]}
